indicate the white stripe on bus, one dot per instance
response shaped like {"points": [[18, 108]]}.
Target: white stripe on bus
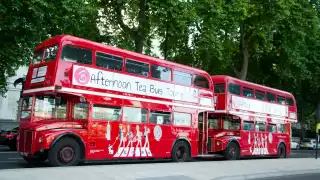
{"points": [[63, 89], [251, 114]]}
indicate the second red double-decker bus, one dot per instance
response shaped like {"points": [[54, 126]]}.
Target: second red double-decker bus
{"points": [[83, 101], [249, 120]]}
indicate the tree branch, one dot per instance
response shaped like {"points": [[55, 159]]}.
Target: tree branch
{"points": [[119, 18]]}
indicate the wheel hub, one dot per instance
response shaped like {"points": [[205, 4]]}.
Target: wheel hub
{"points": [[66, 154]]}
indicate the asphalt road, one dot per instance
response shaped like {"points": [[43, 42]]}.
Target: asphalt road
{"points": [[315, 176], [12, 160]]}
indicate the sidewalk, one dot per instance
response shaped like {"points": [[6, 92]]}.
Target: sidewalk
{"points": [[211, 170]]}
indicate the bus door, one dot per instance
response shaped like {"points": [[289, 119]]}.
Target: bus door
{"points": [[203, 132]]}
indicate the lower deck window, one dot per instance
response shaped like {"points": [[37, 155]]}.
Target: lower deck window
{"points": [[159, 117], [80, 111], [138, 115], [248, 126], [103, 112], [230, 124], [181, 119]]}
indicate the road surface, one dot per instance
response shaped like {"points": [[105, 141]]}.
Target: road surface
{"points": [[12, 160], [308, 176]]}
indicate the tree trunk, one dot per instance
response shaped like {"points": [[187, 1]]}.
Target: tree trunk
{"points": [[138, 43], [245, 53]]}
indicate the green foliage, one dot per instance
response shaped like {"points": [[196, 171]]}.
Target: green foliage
{"points": [[25, 23]]}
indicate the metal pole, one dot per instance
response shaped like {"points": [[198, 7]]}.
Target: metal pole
{"points": [[317, 130]]}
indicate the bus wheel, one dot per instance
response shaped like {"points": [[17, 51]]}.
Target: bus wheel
{"points": [[66, 152], [180, 152], [232, 152], [281, 151]]}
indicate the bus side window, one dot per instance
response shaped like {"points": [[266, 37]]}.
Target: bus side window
{"points": [[281, 128], [76, 54], [219, 88], [272, 128], [201, 81], [136, 67], [271, 97], [103, 112], [259, 95], [108, 61], [247, 92], [161, 73], [289, 101], [234, 89], [182, 78], [248, 126], [260, 126], [159, 117], [80, 111], [181, 119], [213, 122], [281, 100], [137, 115]]}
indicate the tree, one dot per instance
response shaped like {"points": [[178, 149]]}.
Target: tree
{"points": [[130, 19], [23, 24]]}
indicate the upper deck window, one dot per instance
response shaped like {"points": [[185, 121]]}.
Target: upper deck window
{"points": [[289, 101], [109, 61], [136, 67], [50, 53], [76, 54], [247, 92], [201, 81], [234, 89], [281, 100], [260, 95], [219, 88], [271, 97], [182, 78], [37, 56], [161, 73]]}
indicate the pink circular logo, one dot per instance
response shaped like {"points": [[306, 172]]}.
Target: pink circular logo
{"points": [[82, 76]]}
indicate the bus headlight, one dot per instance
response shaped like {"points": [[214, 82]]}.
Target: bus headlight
{"points": [[40, 139], [218, 143]]}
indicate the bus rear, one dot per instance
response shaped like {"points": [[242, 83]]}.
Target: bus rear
{"points": [[250, 119]]}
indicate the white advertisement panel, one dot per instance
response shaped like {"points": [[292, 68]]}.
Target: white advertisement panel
{"points": [[95, 78], [258, 106]]}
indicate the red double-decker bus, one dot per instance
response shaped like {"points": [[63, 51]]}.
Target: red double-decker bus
{"points": [[83, 100], [249, 119]]}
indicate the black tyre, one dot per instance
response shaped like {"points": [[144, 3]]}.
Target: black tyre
{"points": [[66, 152], [232, 152], [35, 160], [282, 151], [180, 152]]}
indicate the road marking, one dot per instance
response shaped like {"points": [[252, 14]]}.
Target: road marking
{"points": [[8, 161], [8, 152], [17, 158]]}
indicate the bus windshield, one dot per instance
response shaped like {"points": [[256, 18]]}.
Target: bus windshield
{"points": [[50, 107]]}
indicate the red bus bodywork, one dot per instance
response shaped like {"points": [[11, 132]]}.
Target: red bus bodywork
{"points": [[125, 109], [256, 118]]}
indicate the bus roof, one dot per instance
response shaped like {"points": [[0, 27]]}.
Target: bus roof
{"points": [[225, 78], [58, 38]]}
